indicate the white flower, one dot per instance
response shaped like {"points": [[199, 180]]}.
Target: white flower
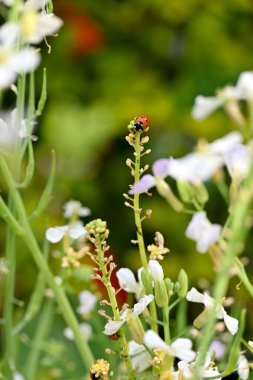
{"points": [[156, 270], [87, 302], [127, 281], [75, 208], [112, 326], [74, 230], [18, 376], [180, 348], [202, 231], [140, 357], [224, 144], [186, 370], [204, 106], [85, 328], [238, 161], [11, 129], [243, 367], [245, 85], [195, 296]]}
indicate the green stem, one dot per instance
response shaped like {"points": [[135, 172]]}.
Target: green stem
{"points": [[166, 328], [32, 244], [138, 224], [238, 228], [243, 277], [42, 330], [115, 309]]}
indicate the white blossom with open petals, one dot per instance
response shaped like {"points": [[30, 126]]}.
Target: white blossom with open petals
{"points": [[195, 296], [238, 161], [224, 144], [180, 348], [74, 230], [140, 357], [113, 326], [75, 208], [202, 231], [156, 270]]}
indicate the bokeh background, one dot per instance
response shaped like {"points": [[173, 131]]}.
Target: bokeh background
{"points": [[112, 61]]}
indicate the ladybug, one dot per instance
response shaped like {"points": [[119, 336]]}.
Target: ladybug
{"points": [[114, 336], [141, 122]]}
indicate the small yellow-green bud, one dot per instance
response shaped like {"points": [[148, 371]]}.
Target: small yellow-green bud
{"points": [[184, 190], [161, 294], [183, 283], [136, 329], [145, 277], [169, 285], [165, 191], [200, 193]]}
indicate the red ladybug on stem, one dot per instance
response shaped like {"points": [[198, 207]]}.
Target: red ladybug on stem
{"points": [[141, 122]]}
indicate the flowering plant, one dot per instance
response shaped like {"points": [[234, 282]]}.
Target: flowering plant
{"points": [[151, 336]]}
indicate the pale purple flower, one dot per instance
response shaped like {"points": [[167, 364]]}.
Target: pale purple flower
{"points": [[218, 348], [202, 231], [195, 296], [237, 161]]}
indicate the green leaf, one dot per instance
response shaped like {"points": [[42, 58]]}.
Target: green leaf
{"points": [[43, 96]]}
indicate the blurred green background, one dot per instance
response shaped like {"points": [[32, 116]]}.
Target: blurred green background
{"points": [[112, 61]]}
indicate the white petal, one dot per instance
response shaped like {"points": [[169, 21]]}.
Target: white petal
{"points": [[156, 270], [153, 340], [140, 306], [160, 167], [24, 61], [68, 333], [231, 323], [9, 33], [245, 85], [87, 302], [18, 376], [7, 77], [141, 361], [238, 161], [77, 230], [204, 106], [182, 349], [55, 234], [225, 143], [112, 327], [243, 367], [135, 348], [195, 296], [185, 369], [127, 280]]}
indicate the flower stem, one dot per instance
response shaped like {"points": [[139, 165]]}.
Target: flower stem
{"points": [[40, 261], [166, 328], [115, 309], [138, 224]]}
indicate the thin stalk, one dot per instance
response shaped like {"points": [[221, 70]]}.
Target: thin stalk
{"points": [[42, 330], [138, 224], [166, 328], [238, 228], [37, 255], [116, 313]]}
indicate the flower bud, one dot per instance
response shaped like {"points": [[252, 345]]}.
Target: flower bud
{"points": [[145, 277], [169, 285], [183, 283], [161, 294], [165, 191], [184, 190], [156, 270], [200, 193], [136, 329]]}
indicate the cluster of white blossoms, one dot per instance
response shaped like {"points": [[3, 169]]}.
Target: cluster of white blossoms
{"points": [[18, 56]]}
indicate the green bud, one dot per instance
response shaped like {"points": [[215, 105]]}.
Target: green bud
{"points": [[145, 277], [169, 285], [200, 193], [161, 294], [184, 190], [183, 283], [165, 191], [136, 329]]}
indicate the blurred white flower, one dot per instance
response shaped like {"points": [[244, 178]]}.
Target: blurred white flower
{"points": [[202, 231], [238, 160], [180, 348], [205, 105], [11, 129], [218, 348], [85, 328], [195, 296], [224, 144], [74, 230], [112, 326], [18, 376], [140, 357], [87, 302], [156, 270], [243, 367], [75, 208], [244, 85]]}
